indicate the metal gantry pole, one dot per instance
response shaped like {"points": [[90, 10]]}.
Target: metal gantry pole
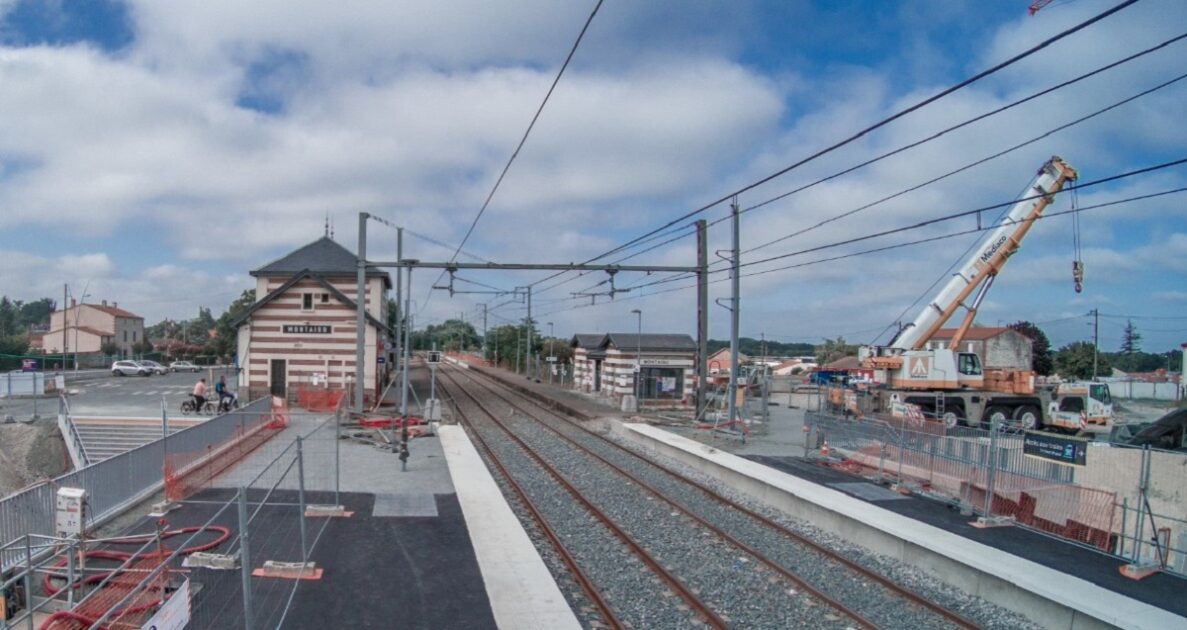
{"points": [[702, 372], [399, 354], [360, 350], [407, 344], [735, 307], [528, 341]]}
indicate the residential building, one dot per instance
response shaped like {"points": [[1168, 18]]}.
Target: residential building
{"points": [[84, 328], [302, 329], [999, 347], [719, 362]]}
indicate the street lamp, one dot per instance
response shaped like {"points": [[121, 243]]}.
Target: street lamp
{"points": [[551, 357], [638, 358]]}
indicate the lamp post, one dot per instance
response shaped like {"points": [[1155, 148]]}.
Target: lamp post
{"points": [[551, 357], [638, 358]]}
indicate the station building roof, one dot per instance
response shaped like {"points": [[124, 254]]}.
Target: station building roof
{"points": [[324, 257]]}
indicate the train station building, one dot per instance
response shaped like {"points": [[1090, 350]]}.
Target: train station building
{"points": [[604, 364], [301, 331]]}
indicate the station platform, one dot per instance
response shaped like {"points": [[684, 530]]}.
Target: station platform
{"points": [[435, 546]]}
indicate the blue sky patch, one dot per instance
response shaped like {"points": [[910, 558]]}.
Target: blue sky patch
{"points": [[102, 23]]}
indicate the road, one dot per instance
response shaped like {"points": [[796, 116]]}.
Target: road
{"points": [[101, 394]]}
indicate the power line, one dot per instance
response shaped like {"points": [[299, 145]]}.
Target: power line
{"points": [[524, 139], [892, 247], [885, 121]]}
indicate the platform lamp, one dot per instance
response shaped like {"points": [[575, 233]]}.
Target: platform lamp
{"points": [[638, 356]]}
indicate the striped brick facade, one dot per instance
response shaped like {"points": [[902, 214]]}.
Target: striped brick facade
{"points": [[609, 371], [314, 336]]}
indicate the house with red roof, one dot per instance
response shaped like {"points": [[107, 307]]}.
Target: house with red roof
{"points": [[84, 328]]}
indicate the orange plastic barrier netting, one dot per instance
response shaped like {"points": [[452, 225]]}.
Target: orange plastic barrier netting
{"points": [[318, 398], [187, 473], [134, 612]]}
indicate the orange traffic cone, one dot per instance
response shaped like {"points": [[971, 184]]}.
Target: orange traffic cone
{"points": [[824, 449]]}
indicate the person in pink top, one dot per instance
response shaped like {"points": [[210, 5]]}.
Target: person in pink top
{"points": [[199, 394]]}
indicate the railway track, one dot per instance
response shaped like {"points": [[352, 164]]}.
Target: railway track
{"points": [[764, 582]]}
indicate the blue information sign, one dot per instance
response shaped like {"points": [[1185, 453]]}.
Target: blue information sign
{"points": [[1056, 448]]}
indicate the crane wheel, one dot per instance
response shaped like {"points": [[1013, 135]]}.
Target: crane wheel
{"points": [[1000, 415], [1028, 417]]}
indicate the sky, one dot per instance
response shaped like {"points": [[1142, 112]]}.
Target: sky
{"points": [[153, 153]]}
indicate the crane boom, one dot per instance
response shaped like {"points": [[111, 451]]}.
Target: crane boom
{"points": [[983, 265]]}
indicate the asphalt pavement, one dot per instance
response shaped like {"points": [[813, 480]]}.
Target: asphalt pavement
{"points": [[101, 394]]}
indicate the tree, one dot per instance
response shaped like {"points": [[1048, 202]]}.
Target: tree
{"points": [[1074, 361], [833, 349], [1040, 358], [1131, 339], [37, 313], [393, 315], [109, 348], [506, 344], [225, 342], [451, 335]]}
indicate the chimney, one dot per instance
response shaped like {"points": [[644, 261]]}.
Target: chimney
{"points": [[104, 302], [73, 302], [115, 305]]}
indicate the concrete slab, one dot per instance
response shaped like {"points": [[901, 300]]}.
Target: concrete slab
{"points": [[404, 505], [1050, 597], [522, 591]]}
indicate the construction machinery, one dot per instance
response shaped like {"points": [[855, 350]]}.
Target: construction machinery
{"points": [[918, 379]]}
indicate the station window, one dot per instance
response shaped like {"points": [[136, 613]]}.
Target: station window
{"points": [[307, 301]]}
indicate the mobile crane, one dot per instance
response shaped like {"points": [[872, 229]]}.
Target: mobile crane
{"points": [[916, 380]]}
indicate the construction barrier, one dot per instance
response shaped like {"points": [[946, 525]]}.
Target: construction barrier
{"points": [[188, 472], [312, 398]]}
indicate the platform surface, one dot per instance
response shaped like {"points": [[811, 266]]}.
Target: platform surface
{"points": [[1064, 586]]}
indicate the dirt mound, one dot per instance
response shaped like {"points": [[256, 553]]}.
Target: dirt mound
{"points": [[30, 453]]}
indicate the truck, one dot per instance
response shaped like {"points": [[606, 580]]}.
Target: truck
{"points": [[913, 380]]}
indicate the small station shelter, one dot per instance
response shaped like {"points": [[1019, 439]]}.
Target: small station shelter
{"points": [[301, 330], [605, 365]]}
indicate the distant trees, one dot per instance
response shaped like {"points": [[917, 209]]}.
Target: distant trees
{"points": [[1040, 361], [1074, 361], [755, 347], [833, 349]]}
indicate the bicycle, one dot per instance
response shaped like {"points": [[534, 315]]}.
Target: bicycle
{"points": [[228, 404], [189, 406]]}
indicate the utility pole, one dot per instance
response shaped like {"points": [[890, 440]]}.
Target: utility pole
{"points": [[735, 307], [1095, 340], [484, 331], [702, 371], [360, 350]]}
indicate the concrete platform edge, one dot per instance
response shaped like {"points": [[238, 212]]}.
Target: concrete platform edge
{"points": [[1049, 597], [522, 591]]}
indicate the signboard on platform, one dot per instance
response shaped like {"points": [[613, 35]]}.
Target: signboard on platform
{"points": [[1060, 449], [434, 356], [175, 613], [308, 329]]}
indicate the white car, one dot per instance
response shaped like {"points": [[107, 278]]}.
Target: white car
{"points": [[129, 368], [154, 367], [182, 366]]}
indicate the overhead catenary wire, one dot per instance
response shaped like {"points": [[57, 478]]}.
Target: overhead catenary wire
{"points": [[522, 140], [865, 131]]}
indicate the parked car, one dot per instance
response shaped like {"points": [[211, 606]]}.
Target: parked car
{"points": [[182, 366], [129, 368], [1168, 432], [156, 368]]}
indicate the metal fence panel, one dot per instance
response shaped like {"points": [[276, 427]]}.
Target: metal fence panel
{"points": [[112, 484]]}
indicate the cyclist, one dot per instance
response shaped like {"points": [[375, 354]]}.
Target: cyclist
{"points": [[225, 396], [199, 394]]}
